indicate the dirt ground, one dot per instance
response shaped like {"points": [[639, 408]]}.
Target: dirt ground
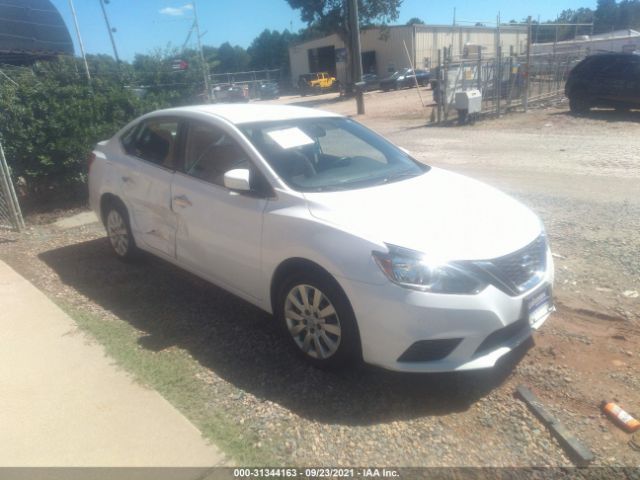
{"points": [[582, 176]]}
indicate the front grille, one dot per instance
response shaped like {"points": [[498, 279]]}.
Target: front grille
{"points": [[519, 271]]}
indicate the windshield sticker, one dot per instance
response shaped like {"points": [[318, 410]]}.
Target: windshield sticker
{"points": [[290, 137]]}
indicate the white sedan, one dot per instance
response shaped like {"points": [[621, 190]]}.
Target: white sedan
{"points": [[358, 250]]}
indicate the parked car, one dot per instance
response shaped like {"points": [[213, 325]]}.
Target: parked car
{"points": [[371, 82], [268, 90], [357, 249], [405, 78], [231, 93], [314, 83], [605, 80]]}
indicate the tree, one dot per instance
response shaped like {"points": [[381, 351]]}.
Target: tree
{"points": [[606, 16], [331, 15], [415, 21], [270, 50], [629, 14], [232, 59]]}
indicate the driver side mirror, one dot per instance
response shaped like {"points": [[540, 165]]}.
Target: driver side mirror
{"points": [[238, 180]]}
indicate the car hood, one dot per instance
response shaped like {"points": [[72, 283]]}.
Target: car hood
{"points": [[443, 214]]}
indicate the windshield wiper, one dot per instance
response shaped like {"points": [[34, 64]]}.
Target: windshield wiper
{"points": [[399, 176]]}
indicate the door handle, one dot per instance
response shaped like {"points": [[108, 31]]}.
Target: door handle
{"points": [[127, 179], [182, 201]]}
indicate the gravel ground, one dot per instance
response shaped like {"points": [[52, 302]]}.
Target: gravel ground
{"points": [[586, 352]]}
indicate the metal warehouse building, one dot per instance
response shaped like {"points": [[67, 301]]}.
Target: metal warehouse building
{"points": [[616, 41], [383, 49]]}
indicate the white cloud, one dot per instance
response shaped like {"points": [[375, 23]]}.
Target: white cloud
{"points": [[176, 12]]}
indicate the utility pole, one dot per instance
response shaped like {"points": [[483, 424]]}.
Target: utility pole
{"points": [[110, 30], [84, 56], [356, 55], [205, 66]]}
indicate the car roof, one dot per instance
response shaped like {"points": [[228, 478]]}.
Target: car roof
{"points": [[249, 113]]}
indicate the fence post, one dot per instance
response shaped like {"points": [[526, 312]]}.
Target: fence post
{"points": [[479, 73], [6, 187], [445, 97], [498, 79], [525, 100], [440, 86]]}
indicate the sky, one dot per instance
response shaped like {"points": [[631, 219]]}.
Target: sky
{"points": [[145, 25]]}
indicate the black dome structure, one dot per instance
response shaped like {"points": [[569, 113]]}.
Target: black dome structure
{"points": [[32, 30]]}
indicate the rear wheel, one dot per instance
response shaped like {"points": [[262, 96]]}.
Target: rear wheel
{"points": [[119, 231], [579, 104], [318, 320]]}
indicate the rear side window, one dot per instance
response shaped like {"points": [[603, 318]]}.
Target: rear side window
{"points": [[631, 70], [154, 141]]}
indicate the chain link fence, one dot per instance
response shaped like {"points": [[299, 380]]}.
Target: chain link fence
{"points": [[505, 82], [10, 214]]}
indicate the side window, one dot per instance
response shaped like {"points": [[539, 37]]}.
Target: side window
{"points": [[154, 141], [632, 70], [211, 152]]}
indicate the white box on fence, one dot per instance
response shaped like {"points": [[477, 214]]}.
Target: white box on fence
{"points": [[470, 100]]}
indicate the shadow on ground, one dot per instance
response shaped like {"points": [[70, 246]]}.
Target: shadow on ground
{"points": [[242, 344], [606, 115]]}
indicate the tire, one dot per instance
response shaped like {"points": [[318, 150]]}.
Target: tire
{"points": [[323, 328], [116, 221], [579, 104]]}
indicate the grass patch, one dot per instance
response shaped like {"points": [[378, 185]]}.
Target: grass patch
{"points": [[175, 375]]}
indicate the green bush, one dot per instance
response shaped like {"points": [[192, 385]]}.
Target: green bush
{"points": [[50, 121]]}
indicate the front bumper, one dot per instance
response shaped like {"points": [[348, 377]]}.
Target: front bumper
{"points": [[488, 325]]}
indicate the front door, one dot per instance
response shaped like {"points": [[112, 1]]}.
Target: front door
{"points": [[219, 231]]}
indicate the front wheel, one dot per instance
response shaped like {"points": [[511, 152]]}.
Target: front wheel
{"points": [[318, 320]]}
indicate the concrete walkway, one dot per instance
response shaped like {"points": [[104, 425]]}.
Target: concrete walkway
{"points": [[64, 403]]}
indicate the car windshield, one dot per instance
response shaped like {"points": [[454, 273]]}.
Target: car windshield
{"points": [[328, 154]]}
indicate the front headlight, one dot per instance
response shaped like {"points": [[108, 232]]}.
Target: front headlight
{"points": [[415, 270], [400, 78]]}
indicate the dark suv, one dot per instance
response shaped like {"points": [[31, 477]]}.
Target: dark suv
{"points": [[605, 80]]}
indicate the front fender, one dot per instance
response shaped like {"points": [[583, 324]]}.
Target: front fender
{"points": [[293, 233]]}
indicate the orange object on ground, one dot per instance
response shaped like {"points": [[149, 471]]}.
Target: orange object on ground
{"points": [[620, 417]]}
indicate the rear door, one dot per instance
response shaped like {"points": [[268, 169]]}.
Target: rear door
{"points": [[631, 79], [610, 78], [151, 150], [219, 231]]}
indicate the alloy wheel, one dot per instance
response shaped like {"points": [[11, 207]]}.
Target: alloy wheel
{"points": [[117, 231], [312, 321]]}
